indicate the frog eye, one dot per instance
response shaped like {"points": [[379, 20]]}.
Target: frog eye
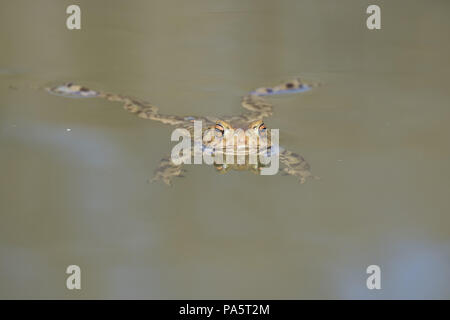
{"points": [[219, 129], [262, 127]]}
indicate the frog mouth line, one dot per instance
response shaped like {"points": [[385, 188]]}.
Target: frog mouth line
{"points": [[245, 150]]}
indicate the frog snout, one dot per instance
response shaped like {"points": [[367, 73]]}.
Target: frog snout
{"points": [[239, 136]]}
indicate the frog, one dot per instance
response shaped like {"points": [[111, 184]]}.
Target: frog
{"points": [[219, 135]]}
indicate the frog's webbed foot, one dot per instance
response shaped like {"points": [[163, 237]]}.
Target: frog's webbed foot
{"points": [[295, 165], [72, 90], [221, 168], [167, 170], [293, 86]]}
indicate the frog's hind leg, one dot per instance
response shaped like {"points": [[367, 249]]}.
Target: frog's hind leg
{"points": [[295, 165], [293, 86], [141, 108], [145, 110], [167, 170], [258, 107]]}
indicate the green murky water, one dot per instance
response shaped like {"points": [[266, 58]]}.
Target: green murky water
{"points": [[376, 133]]}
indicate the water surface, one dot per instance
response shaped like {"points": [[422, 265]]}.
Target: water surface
{"points": [[74, 172]]}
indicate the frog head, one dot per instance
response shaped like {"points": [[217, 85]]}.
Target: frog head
{"points": [[223, 136]]}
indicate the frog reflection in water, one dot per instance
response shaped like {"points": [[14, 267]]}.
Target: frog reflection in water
{"points": [[217, 133]]}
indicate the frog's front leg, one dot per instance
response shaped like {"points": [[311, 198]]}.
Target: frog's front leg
{"points": [[295, 165], [167, 170]]}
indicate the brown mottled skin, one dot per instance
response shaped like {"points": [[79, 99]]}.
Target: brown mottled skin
{"points": [[217, 132]]}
